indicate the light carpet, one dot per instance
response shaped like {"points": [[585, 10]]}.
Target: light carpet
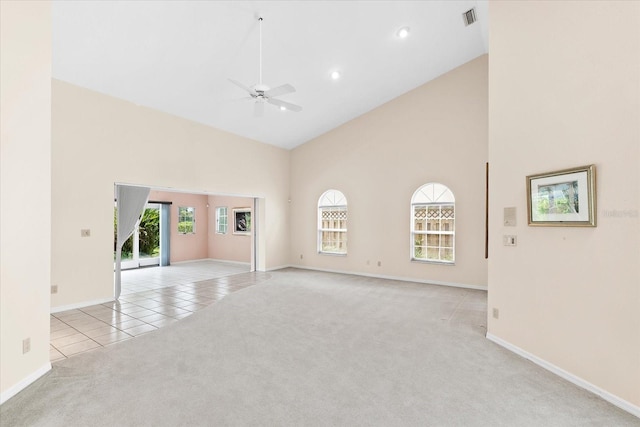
{"points": [[314, 349]]}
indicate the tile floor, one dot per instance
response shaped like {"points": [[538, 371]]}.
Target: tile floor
{"points": [[145, 279], [151, 298]]}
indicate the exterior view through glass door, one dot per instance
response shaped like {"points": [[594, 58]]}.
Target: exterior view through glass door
{"points": [[143, 247]]}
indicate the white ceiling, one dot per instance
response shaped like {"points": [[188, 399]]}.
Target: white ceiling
{"points": [[177, 56]]}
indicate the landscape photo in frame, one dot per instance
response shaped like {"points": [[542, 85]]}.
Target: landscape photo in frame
{"points": [[562, 198]]}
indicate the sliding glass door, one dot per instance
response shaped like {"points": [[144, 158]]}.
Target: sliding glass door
{"points": [[143, 247]]}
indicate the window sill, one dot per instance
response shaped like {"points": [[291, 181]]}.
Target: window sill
{"points": [[426, 261], [332, 254]]}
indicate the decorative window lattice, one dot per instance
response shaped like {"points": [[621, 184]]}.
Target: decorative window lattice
{"points": [[336, 215], [332, 223], [433, 228], [445, 212]]}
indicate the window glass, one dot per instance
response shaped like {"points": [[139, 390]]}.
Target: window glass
{"points": [[186, 220], [433, 224], [221, 220], [332, 223]]}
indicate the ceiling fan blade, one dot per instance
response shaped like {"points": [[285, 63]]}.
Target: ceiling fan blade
{"points": [[235, 100], [240, 85], [258, 109], [287, 105], [280, 90]]}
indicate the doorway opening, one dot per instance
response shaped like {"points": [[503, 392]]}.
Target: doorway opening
{"points": [[199, 236]]}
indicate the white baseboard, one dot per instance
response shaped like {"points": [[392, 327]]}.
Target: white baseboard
{"points": [[226, 261], [609, 397], [398, 278], [17, 388], [280, 267], [190, 261], [80, 305]]}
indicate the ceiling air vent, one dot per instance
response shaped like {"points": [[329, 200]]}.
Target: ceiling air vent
{"points": [[469, 17]]}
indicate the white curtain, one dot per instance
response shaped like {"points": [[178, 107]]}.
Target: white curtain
{"points": [[130, 203]]}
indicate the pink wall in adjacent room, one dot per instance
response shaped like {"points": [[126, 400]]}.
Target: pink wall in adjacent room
{"points": [[229, 246], [205, 243], [186, 247]]}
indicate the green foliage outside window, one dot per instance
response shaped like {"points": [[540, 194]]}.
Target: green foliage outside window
{"points": [[148, 231], [186, 220]]}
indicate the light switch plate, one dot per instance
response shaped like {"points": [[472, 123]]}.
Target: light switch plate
{"points": [[509, 240]]}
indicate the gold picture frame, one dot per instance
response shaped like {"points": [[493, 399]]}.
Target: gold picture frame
{"points": [[565, 198]]}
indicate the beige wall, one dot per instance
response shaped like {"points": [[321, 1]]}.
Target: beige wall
{"points": [[435, 133], [228, 247], [25, 223], [98, 140], [186, 247], [560, 94], [565, 91]]}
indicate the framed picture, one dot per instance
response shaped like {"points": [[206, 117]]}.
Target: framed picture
{"points": [[242, 221], [563, 198]]}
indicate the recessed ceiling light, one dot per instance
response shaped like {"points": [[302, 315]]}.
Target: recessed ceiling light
{"points": [[283, 108], [335, 74], [403, 32]]}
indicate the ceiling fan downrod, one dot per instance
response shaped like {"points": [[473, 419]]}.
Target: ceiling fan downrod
{"points": [[260, 69]]}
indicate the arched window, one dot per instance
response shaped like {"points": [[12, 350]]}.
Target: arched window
{"points": [[332, 223], [433, 224]]}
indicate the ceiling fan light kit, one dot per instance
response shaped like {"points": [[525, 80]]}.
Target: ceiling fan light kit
{"points": [[403, 32], [262, 93]]}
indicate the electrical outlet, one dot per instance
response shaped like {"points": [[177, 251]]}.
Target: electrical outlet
{"points": [[496, 313], [26, 345], [85, 232], [54, 289]]}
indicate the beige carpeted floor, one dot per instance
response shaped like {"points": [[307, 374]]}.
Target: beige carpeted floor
{"points": [[309, 348]]}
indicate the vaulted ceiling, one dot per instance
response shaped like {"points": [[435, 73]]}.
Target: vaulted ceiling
{"points": [[178, 56]]}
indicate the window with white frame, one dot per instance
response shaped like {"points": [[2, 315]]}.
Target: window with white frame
{"points": [[186, 220], [433, 224], [332, 223], [221, 220]]}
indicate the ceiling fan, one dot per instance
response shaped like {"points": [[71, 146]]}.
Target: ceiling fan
{"points": [[262, 93]]}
